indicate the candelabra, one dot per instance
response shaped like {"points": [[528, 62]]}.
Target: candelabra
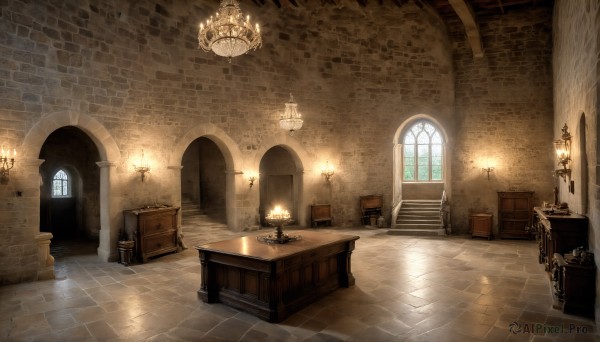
{"points": [[278, 218], [7, 162]]}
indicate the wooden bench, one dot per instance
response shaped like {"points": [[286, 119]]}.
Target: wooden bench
{"points": [[320, 213]]}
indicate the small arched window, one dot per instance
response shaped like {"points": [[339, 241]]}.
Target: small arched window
{"points": [[423, 153], [61, 184]]}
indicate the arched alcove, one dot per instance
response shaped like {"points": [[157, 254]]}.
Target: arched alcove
{"points": [[280, 182]]}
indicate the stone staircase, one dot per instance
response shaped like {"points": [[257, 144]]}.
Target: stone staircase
{"points": [[418, 217], [190, 210], [197, 227]]}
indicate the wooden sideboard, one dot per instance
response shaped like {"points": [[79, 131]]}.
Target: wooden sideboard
{"points": [[154, 230], [481, 225], [559, 234], [272, 281], [515, 214], [574, 285]]}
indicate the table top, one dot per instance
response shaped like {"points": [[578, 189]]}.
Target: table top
{"points": [[249, 246], [549, 215]]}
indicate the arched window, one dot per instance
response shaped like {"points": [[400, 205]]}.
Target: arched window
{"points": [[423, 153], [61, 184]]}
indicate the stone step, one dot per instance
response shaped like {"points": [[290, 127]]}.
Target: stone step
{"points": [[418, 217], [417, 222], [403, 225], [420, 232]]}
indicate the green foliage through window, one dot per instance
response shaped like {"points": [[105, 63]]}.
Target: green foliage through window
{"points": [[423, 153]]}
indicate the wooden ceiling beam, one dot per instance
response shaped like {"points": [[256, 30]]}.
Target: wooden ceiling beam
{"points": [[277, 3], [294, 2], [363, 3], [467, 16]]}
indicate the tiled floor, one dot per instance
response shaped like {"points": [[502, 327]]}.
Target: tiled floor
{"points": [[407, 289]]}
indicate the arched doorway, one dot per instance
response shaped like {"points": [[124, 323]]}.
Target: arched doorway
{"points": [[70, 188], [421, 163], [280, 182], [204, 178]]}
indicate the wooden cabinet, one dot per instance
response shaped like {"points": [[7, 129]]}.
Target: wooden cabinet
{"points": [[153, 229], [481, 225], [574, 285], [559, 234], [320, 213], [370, 205], [515, 214]]}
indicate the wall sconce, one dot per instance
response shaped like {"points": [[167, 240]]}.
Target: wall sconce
{"points": [[327, 171], [488, 170], [143, 167], [7, 163], [563, 153], [251, 178]]}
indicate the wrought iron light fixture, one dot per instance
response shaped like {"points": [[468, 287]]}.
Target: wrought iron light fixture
{"points": [[488, 170], [563, 153], [143, 167], [327, 171], [291, 120], [251, 177], [487, 167], [228, 34], [7, 162]]}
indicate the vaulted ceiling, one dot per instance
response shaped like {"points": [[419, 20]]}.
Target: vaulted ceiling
{"points": [[466, 10]]}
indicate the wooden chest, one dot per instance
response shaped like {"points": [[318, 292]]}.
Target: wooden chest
{"points": [[153, 229], [481, 225]]}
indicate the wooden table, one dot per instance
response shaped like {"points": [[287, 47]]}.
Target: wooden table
{"points": [[272, 281]]}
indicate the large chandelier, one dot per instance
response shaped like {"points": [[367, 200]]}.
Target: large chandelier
{"points": [[228, 34], [291, 120]]}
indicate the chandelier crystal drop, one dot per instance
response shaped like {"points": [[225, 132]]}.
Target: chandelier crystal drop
{"points": [[291, 120], [228, 33]]}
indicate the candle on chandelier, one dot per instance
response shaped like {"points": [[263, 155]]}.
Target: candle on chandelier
{"points": [[278, 213]]}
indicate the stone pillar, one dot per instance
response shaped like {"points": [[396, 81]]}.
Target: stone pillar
{"points": [[109, 214], [46, 261], [234, 199], [176, 193]]}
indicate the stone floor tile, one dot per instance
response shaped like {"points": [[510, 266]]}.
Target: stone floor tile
{"points": [[407, 289]]}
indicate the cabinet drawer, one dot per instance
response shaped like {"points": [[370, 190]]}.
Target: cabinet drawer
{"points": [[153, 224], [160, 242]]}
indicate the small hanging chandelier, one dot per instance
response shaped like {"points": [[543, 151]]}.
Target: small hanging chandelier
{"points": [[228, 34], [291, 120]]}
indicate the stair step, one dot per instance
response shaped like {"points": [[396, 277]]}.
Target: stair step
{"points": [[417, 225], [420, 232]]}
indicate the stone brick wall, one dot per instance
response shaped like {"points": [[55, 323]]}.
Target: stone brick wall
{"points": [[503, 113], [576, 68], [135, 71], [130, 75]]}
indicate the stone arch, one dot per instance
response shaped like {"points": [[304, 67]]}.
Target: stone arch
{"points": [[37, 135], [231, 154], [109, 155], [397, 160], [293, 146], [230, 150]]}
